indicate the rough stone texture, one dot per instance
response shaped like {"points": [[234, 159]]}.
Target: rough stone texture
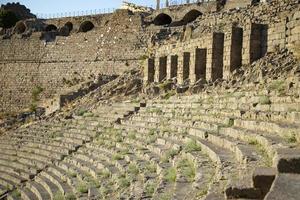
{"points": [[116, 45], [246, 39]]}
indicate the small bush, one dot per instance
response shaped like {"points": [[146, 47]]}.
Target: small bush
{"points": [[192, 146], [170, 175], [16, 194], [170, 155], [151, 168], [70, 197], [117, 157], [264, 100], [58, 196], [253, 142], [133, 169], [291, 138], [187, 169], [123, 182], [81, 112], [82, 188], [149, 189]]}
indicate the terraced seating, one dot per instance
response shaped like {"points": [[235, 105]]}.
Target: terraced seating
{"points": [[36, 160], [241, 146]]}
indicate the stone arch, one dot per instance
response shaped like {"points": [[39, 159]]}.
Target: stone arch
{"points": [[20, 27], [162, 19], [86, 26], [50, 27], [69, 25], [191, 16]]}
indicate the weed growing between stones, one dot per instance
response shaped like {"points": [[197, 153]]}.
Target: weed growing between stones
{"points": [[192, 146], [170, 175], [264, 100]]}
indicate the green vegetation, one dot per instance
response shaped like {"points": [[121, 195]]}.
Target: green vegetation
{"points": [[187, 169], [88, 114], [132, 135], [192, 146], [230, 122], [133, 169], [264, 100], [16, 194], [170, 155], [58, 196], [278, 86], [291, 138], [149, 189], [82, 188], [169, 94], [252, 141], [117, 157], [35, 97], [150, 168], [104, 174], [170, 175], [81, 112], [70, 197], [123, 182], [8, 19]]}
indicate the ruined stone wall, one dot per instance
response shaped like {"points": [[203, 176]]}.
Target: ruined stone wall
{"points": [[228, 42], [115, 45]]}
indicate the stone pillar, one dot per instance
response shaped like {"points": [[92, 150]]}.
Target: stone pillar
{"points": [[254, 42], [149, 71], [233, 46], [157, 4], [161, 69], [172, 66], [156, 77], [192, 72], [215, 53], [184, 67]]}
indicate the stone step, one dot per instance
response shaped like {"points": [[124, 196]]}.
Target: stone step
{"points": [[283, 130], [40, 192], [51, 188], [43, 154], [63, 187], [22, 173], [7, 183], [27, 194], [13, 163], [12, 177], [285, 186], [244, 153]]}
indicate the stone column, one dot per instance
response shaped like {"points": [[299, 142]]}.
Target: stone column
{"points": [[149, 71], [192, 67], [157, 4], [215, 53], [233, 45], [156, 61]]}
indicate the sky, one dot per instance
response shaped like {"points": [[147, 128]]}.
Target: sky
{"points": [[61, 6]]}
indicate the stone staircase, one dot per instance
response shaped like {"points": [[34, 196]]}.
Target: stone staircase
{"points": [[242, 145]]}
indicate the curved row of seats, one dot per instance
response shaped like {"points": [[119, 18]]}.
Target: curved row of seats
{"points": [[241, 145]]}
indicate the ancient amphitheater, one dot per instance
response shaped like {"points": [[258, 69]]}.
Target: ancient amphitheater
{"points": [[193, 101]]}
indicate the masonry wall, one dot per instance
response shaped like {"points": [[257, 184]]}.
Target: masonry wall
{"points": [[111, 48], [229, 44]]}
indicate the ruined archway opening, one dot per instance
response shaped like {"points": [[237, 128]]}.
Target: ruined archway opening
{"points": [[20, 28], [50, 27], [86, 26], [191, 16], [162, 19], [69, 25]]}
